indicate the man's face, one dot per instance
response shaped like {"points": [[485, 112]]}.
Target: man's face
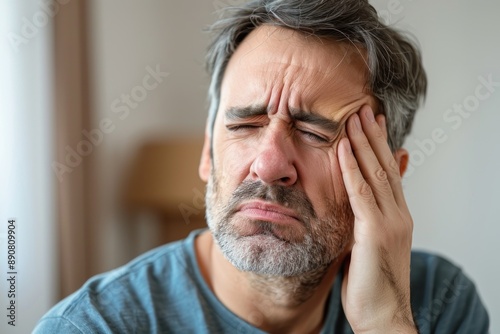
{"points": [[276, 202]]}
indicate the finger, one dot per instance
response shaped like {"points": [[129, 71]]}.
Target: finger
{"points": [[377, 138], [361, 198], [369, 164]]}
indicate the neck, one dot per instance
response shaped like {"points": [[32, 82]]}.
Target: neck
{"points": [[273, 304], [287, 291]]}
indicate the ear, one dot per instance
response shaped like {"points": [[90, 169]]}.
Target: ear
{"points": [[402, 157], [206, 160]]}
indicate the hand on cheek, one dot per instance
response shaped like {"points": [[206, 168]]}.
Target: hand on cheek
{"points": [[376, 285]]}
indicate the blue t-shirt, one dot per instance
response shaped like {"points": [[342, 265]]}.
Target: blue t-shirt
{"points": [[163, 291]]}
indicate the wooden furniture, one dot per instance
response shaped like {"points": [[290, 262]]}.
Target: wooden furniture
{"points": [[163, 181]]}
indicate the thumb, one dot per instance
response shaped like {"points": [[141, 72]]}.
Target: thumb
{"points": [[345, 279]]}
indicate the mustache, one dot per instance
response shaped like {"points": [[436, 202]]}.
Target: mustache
{"points": [[281, 195]]}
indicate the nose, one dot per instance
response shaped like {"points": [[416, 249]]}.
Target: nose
{"points": [[274, 163]]}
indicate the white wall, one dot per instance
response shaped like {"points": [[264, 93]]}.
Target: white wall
{"points": [[26, 178], [127, 37], [454, 189]]}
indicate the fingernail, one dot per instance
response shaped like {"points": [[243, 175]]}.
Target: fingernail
{"points": [[369, 115]]}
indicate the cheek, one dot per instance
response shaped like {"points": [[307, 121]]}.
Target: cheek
{"points": [[321, 179], [339, 192], [232, 162]]}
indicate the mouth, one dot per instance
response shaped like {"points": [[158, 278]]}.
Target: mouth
{"points": [[268, 212]]}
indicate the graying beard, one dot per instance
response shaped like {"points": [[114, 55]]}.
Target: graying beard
{"points": [[290, 289]]}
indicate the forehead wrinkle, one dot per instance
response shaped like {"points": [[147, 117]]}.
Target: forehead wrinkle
{"points": [[302, 67], [298, 52], [343, 87]]}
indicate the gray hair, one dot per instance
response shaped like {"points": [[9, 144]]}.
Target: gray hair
{"points": [[396, 75]]}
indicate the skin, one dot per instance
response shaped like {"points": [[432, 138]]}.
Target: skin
{"points": [[284, 71]]}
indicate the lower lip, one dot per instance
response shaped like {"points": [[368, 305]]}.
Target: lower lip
{"points": [[268, 216]]}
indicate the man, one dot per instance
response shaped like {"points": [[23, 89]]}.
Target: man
{"points": [[309, 231]]}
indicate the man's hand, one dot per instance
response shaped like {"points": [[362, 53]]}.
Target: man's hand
{"points": [[376, 285]]}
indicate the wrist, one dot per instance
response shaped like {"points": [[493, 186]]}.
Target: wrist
{"points": [[396, 323]]}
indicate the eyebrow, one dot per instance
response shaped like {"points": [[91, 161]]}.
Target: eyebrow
{"points": [[313, 118], [239, 113], [326, 124]]}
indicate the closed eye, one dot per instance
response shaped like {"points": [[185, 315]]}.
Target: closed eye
{"points": [[241, 127], [313, 137]]}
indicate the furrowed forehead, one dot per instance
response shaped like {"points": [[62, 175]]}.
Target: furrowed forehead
{"points": [[284, 45]]}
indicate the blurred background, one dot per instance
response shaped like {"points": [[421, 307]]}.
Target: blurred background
{"points": [[102, 120]]}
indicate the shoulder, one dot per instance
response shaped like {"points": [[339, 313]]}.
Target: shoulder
{"points": [[125, 298], [444, 299]]}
